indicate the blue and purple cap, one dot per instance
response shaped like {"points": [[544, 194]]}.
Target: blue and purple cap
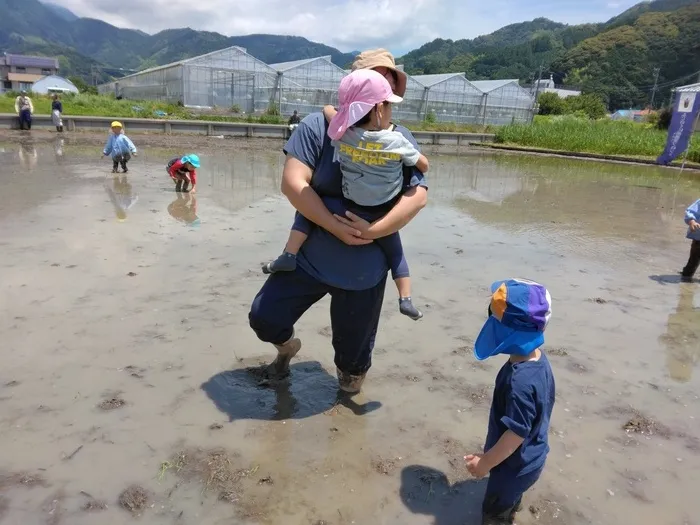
{"points": [[519, 314]]}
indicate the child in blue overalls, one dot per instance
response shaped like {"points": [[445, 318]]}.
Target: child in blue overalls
{"points": [[516, 444]]}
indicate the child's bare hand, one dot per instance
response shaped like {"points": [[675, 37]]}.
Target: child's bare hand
{"points": [[476, 466], [694, 226]]}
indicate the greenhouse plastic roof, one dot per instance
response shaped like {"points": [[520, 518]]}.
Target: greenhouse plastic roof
{"points": [[286, 66], [691, 88], [431, 80], [185, 61], [490, 85]]}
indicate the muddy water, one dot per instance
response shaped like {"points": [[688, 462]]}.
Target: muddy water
{"points": [[119, 295]]}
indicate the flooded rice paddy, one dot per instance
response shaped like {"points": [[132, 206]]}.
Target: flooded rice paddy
{"points": [[123, 391]]}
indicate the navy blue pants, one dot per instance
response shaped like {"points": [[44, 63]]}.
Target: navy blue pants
{"points": [[285, 297], [390, 245], [504, 494], [25, 119]]}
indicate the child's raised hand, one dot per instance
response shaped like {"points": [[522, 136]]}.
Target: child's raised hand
{"points": [[475, 466]]}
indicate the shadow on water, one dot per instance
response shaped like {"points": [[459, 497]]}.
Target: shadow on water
{"points": [[666, 279], [427, 491], [308, 391]]}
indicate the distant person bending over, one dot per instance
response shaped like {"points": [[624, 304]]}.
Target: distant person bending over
{"points": [[294, 120], [371, 156], [56, 112], [119, 147], [24, 109], [183, 171]]}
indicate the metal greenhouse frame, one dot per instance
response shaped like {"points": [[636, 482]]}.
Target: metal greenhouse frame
{"points": [[226, 78], [450, 97], [307, 85], [505, 102]]}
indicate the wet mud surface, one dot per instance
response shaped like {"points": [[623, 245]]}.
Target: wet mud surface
{"points": [[130, 391]]}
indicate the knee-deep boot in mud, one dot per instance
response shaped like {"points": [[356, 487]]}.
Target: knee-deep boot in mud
{"points": [[279, 368]]}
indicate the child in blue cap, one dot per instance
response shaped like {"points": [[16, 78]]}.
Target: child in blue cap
{"points": [[516, 444], [692, 219], [183, 171]]}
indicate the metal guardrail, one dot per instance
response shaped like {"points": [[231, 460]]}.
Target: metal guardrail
{"points": [[211, 128]]}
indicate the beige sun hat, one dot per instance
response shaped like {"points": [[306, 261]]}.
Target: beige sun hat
{"points": [[374, 58]]}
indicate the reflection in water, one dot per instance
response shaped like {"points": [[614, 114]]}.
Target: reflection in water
{"points": [[594, 202], [121, 195], [184, 209], [682, 337], [28, 156], [58, 145]]}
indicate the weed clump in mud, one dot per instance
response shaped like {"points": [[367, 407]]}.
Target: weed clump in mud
{"points": [[215, 469], [111, 404], [134, 499], [641, 424], [21, 479], [92, 504], [384, 466]]}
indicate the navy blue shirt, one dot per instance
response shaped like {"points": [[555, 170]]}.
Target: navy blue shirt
{"points": [[522, 402], [57, 104], [324, 256]]}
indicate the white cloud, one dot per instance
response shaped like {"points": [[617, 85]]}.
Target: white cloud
{"points": [[399, 25]]}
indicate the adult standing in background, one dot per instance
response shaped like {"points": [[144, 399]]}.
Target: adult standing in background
{"points": [[57, 112], [24, 109]]}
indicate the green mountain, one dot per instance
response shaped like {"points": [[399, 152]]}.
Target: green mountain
{"points": [[62, 12], [28, 26], [615, 60], [619, 62]]}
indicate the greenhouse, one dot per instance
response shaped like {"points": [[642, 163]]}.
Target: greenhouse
{"points": [[505, 102], [235, 81], [307, 85], [229, 78], [450, 97]]}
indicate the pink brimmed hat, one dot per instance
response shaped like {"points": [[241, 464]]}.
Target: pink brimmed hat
{"points": [[358, 93]]}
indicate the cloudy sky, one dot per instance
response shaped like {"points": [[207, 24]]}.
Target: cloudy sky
{"points": [[400, 25]]}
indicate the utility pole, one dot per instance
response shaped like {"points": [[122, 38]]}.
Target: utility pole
{"points": [[535, 106], [539, 79], [656, 83]]}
